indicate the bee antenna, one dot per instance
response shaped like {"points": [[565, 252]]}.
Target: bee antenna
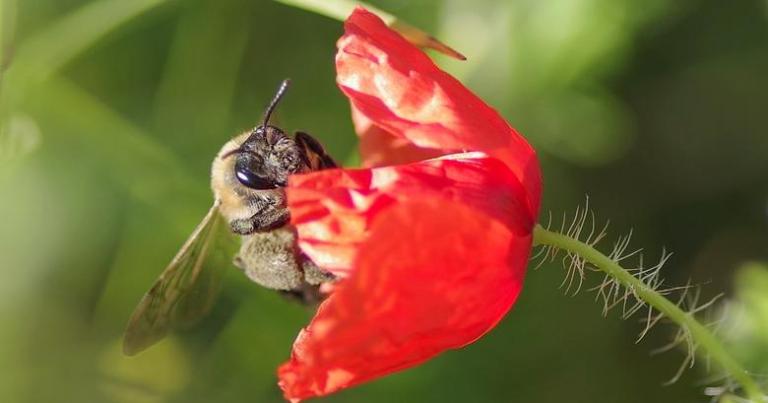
{"points": [[279, 95]]}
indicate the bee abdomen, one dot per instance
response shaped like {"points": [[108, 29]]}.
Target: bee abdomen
{"points": [[271, 259]]}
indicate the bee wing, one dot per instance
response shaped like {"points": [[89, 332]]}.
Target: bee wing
{"points": [[317, 157], [187, 288]]}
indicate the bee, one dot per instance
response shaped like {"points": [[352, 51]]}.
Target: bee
{"points": [[248, 179]]}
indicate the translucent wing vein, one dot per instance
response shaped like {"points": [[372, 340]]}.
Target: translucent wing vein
{"points": [[186, 289]]}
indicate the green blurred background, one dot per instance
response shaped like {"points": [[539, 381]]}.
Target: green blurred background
{"points": [[112, 110]]}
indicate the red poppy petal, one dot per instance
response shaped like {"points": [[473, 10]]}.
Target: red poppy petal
{"points": [[433, 275], [332, 210], [397, 87], [380, 148]]}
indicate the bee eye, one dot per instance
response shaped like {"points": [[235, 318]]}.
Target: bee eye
{"points": [[248, 178]]}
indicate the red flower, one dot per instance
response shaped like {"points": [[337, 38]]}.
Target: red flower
{"points": [[432, 253]]}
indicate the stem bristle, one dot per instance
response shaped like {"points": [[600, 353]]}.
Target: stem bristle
{"points": [[612, 293]]}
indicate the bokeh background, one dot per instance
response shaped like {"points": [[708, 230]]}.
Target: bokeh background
{"points": [[111, 112]]}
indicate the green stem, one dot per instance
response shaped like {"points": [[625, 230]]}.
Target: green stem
{"points": [[702, 336]]}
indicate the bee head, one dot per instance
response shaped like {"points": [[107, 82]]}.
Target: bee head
{"points": [[267, 157]]}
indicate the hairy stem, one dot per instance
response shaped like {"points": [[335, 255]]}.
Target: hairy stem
{"points": [[700, 334]]}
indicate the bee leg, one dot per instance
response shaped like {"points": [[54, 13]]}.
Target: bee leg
{"points": [[314, 275], [263, 221], [307, 295], [239, 263]]}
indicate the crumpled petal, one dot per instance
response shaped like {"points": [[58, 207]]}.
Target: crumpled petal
{"points": [[398, 88], [333, 210], [380, 148], [430, 253], [433, 274]]}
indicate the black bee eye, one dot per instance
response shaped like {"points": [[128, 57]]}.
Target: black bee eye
{"points": [[248, 178]]}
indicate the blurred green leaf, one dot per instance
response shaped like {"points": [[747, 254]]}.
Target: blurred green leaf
{"points": [[746, 325], [752, 291], [146, 378], [7, 27], [41, 56], [19, 136], [590, 128], [337, 9], [341, 9], [134, 158], [531, 59], [3, 25], [70, 36], [190, 105]]}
